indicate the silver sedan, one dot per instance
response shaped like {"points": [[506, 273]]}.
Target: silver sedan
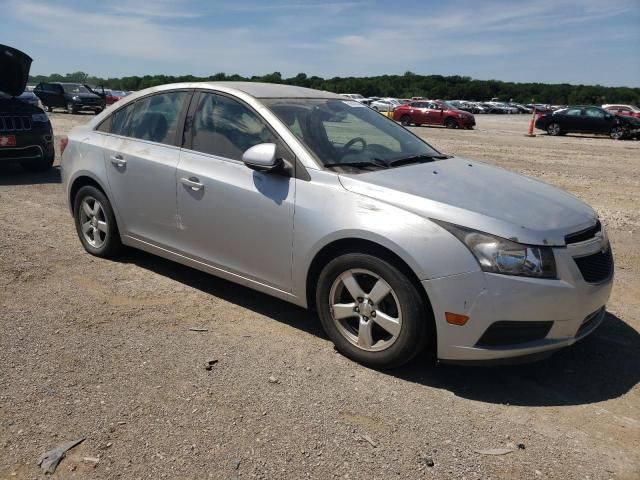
{"points": [[316, 199]]}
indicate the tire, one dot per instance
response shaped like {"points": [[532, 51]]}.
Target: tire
{"points": [[49, 109], [450, 123], [418, 124], [376, 109], [617, 133], [97, 111], [554, 129], [96, 221], [71, 108], [360, 334], [405, 120], [39, 164]]}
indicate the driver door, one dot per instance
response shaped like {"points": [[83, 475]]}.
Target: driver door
{"points": [[231, 217]]}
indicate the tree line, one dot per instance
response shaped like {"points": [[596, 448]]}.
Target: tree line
{"points": [[399, 86]]}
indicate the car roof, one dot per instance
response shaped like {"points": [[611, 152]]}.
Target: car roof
{"points": [[272, 90]]}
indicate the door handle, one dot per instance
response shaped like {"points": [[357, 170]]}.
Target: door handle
{"points": [[192, 183], [117, 160]]}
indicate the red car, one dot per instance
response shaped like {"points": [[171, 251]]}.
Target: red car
{"points": [[626, 110], [433, 112]]}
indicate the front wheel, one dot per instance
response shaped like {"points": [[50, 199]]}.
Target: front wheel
{"points": [[95, 223], [405, 120], [371, 311], [71, 108], [617, 132], [450, 123]]}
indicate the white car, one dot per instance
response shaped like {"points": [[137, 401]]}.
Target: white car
{"points": [[320, 201], [385, 104]]}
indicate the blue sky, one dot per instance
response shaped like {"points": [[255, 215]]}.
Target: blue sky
{"points": [[574, 41]]}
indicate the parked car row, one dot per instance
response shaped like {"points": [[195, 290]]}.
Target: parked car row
{"points": [[588, 119]]}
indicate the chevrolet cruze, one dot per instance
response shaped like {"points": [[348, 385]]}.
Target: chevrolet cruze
{"points": [[318, 200]]}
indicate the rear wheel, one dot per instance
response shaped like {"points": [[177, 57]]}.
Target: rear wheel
{"points": [[450, 123], [405, 120], [554, 129], [97, 111], [371, 311], [617, 132], [95, 223]]}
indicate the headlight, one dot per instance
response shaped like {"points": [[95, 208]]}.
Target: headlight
{"points": [[39, 117], [75, 98], [499, 255]]}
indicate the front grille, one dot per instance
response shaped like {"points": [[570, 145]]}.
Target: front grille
{"points": [[14, 123], [597, 267], [583, 235], [505, 333]]}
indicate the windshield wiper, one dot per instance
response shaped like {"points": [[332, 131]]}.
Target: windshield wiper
{"points": [[374, 162], [417, 159]]}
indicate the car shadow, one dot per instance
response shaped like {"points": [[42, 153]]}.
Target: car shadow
{"points": [[245, 297], [14, 174], [605, 365]]}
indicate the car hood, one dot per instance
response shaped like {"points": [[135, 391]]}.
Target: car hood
{"points": [[14, 70], [14, 105], [83, 95], [479, 196]]}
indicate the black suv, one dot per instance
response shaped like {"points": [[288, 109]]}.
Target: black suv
{"points": [[25, 130], [72, 96]]}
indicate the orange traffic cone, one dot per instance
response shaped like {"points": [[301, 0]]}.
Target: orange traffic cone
{"points": [[532, 123]]}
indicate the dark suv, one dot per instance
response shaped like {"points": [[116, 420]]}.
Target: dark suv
{"points": [[25, 131], [74, 97]]}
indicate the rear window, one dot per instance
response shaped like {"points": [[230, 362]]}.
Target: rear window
{"points": [[155, 118]]}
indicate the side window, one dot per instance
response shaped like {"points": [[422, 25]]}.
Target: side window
{"points": [[120, 120], [573, 112], [227, 128], [594, 113], [155, 118]]}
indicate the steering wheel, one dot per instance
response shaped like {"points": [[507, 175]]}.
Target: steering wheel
{"points": [[353, 141]]}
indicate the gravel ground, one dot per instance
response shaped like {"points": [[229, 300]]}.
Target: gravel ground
{"points": [[103, 350]]}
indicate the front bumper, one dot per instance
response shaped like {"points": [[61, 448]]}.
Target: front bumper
{"points": [[571, 307], [466, 122], [30, 145]]}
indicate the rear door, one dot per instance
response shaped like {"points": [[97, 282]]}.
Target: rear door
{"points": [[572, 120], [419, 114], [56, 94], [230, 216], [141, 155], [433, 114]]}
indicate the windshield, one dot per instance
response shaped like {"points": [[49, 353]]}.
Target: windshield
{"points": [[347, 132], [75, 89]]}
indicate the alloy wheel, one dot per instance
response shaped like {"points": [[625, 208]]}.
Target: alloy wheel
{"points": [[617, 133], [365, 309], [93, 222], [553, 129]]}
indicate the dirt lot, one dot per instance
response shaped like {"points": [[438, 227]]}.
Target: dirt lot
{"points": [[103, 350]]}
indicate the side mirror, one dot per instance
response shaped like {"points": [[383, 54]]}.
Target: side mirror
{"points": [[262, 157]]}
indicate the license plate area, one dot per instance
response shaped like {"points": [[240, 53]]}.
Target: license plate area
{"points": [[7, 141]]}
